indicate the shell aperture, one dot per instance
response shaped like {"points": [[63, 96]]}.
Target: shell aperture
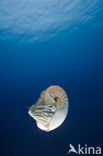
{"points": [[50, 109]]}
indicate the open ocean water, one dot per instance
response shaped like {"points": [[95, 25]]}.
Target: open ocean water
{"points": [[43, 43]]}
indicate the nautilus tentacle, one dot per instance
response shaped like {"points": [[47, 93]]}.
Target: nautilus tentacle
{"points": [[50, 109]]}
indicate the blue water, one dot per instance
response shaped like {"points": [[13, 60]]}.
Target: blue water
{"points": [[45, 43]]}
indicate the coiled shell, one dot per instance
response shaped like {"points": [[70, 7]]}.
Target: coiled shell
{"points": [[51, 108]]}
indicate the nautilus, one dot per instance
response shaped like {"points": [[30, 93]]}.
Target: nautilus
{"points": [[50, 109]]}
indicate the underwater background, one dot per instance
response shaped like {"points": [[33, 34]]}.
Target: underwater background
{"points": [[45, 43]]}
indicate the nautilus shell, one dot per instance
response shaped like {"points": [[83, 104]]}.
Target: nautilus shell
{"points": [[50, 109]]}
